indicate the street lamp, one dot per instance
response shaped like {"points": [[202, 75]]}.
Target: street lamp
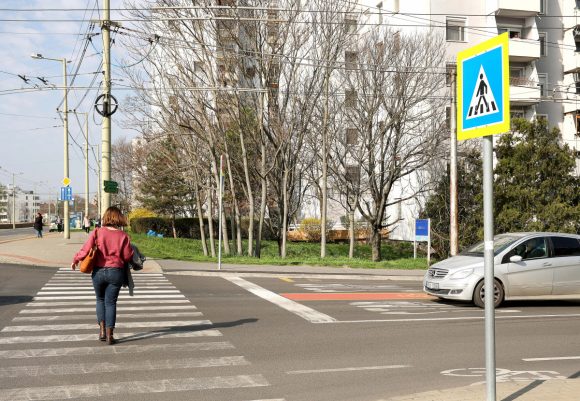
{"points": [[38, 56]]}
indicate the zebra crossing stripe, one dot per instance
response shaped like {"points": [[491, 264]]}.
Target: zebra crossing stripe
{"points": [[107, 367], [121, 297], [92, 316], [125, 308], [90, 287], [121, 325], [119, 336], [89, 292], [135, 387], [125, 349], [120, 302]]}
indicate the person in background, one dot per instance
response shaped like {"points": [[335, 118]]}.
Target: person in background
{"points": [[113, 253], [38, 224], [87, 224]]}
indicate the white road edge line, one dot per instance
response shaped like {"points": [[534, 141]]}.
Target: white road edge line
{"points": [[435, 319], [355, 369], [556, 358], [304, 312]]}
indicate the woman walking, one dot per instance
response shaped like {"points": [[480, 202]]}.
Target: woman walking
{"points": [[113, 253], [38, 224]]}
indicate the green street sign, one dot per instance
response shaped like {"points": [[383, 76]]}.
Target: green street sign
{"points": [[111, 187]]}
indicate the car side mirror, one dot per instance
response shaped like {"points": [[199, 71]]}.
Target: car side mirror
{"points": [[516, 259]]}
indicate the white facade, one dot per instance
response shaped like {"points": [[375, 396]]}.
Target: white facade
{"points": [[26, 207]]}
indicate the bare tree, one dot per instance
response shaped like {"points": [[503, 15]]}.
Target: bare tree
{"points": [[393, 105]]}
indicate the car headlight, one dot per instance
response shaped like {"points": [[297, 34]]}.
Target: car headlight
{"points": [[461, 274]]}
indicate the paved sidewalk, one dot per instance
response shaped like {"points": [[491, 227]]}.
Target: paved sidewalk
{"points": [[54, 251], [51, 251]]}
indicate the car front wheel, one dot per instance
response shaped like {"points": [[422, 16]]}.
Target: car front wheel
{"points": [[479, 294]]}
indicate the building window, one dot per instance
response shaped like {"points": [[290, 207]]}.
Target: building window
{"points": [[350, 60], [514, 32], [543, 6], [351, 136], [543, 83], [517, 113], [350, 98], [450, 72], [353, 175], [577, 87], [543, 44], [577, 121], [455, 29], [542, 117], [448, 117], [350, 23], [578, 4]]}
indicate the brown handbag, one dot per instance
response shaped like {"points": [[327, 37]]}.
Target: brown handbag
{"points": [[88, 262]]}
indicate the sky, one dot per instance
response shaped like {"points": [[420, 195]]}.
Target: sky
{"points": [[31, 130]]}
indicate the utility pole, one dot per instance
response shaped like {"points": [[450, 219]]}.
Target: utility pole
{"points": [[106, 130], [65, 120], [453, 218], [13, 203], [86, 164]]}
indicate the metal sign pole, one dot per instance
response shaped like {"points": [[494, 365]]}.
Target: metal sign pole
{"points": [[489, 267], [428, 242], [220, 206]]}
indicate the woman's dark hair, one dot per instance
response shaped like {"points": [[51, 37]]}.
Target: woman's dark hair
{"points": [[114, 218]]}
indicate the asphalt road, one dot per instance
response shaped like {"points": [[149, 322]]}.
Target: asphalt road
{"points": [[17, 233], [263, 338]]}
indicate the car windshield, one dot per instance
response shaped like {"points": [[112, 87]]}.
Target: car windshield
{"points": [[500, 242]]}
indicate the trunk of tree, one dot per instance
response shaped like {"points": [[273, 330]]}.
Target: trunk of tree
{"points": [[174, 231], [351, 234], [324, 205], [250, 195], [284, 214], [224, 227], [200, 216], [210, 221], [376, 243], [236, 210], [262, 201]]}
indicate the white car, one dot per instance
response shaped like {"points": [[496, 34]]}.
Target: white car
{"points": [[525, 265]]}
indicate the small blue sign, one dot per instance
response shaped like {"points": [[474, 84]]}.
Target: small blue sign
{"points": [[66, 194], [421, 229]]}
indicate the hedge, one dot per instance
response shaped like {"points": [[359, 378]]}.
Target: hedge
{"points": [[188, 227]]}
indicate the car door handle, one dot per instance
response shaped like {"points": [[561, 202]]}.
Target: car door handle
{"points": [[546, 264]]}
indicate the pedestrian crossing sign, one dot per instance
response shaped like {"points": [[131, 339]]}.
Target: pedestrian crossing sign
{"points": [[483, 102]]}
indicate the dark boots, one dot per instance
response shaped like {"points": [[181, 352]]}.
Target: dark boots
{"points": [[109, 334], [102, 333]]}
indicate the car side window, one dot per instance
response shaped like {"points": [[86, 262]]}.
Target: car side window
{"points": [[566, 246], [532, 249]]}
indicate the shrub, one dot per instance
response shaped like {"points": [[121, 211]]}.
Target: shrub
{"points": [[310, 226], [140, 213]]}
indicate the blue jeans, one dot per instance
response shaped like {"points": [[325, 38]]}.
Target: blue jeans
{"points": [[107, 282]]}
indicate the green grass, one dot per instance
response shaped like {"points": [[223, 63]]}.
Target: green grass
{"points": [[395, 255]]}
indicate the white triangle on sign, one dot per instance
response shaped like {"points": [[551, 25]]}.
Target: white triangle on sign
{"points": [[482, 101]]}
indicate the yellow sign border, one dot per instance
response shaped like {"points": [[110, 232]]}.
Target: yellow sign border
{"points": [[491, 129]]}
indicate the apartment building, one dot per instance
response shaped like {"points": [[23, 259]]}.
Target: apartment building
{"points": [[26, 205]]}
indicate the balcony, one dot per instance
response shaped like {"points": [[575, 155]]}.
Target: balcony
{"points": [[517, 8], [524, 92], [524, 50]]}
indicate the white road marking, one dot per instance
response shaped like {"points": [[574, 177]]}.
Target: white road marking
{"points": [[304, 312], [90, 287], [354, 369], [92, 292], [454, 318], [119, 336], [78, 391], [52, 311], [120, 302], [119, 325], [92, 316], [108, 367], [122, 296], [555, 358], [181, 348]]}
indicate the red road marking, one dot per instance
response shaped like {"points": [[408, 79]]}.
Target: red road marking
{"points": [[355, 296]]}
